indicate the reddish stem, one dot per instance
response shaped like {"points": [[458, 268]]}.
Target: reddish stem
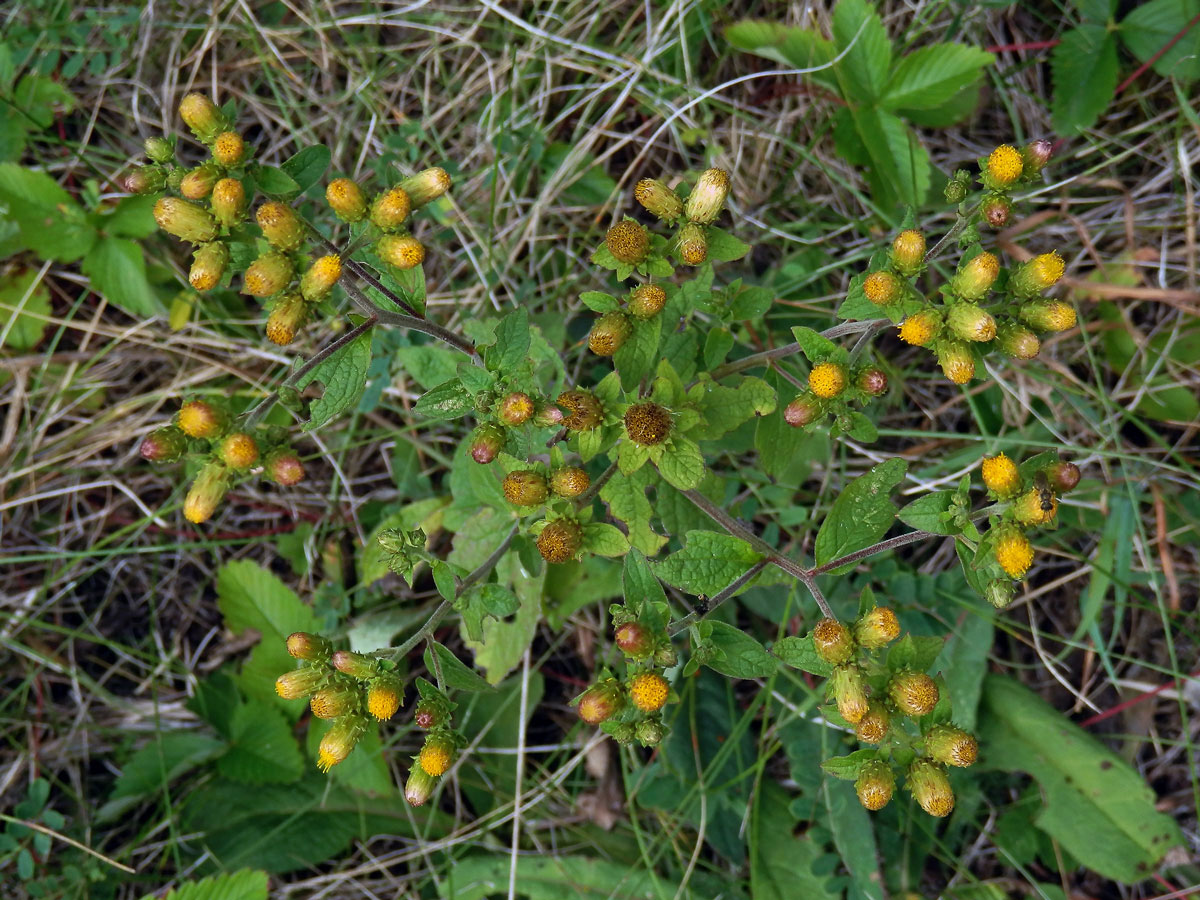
{"points": [[1157, 56], [1125, 704]]}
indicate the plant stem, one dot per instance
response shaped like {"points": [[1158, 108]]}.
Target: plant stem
{"points": [[765, 356], [399, 320], [602, 479], [717, 599], [902, 540]]}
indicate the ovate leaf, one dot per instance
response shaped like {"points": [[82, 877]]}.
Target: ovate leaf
{"points": [[243, 885], [262, 748], [862, 513], [24, 309], [118, 272], [1084, 67], [739, 655], [859, 33], [930, 76], [707, 563], [343, 375], [307, 166]]}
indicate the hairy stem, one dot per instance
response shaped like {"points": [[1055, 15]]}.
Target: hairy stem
{"points": [[590, 494], [717, 599], [765, 356]]}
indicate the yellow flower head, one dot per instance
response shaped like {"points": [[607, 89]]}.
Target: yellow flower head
{"points": [[1014, 553], [919, 328], [882, 288], [649, 691], [1000, 476], [1005, 165], [827, 380], [437, 755]]}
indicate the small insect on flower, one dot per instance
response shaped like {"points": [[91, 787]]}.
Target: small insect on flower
{"points": [[649, 691]]}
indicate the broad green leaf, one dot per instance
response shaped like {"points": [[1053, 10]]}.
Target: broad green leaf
{"points": [[724, 408], [847, 767], [504, 643], [782, 862], [132, 217], [1151, 26], [153, 767], [862, 513], [512, 343], [41, 98], [343, 376], [1099, 11], [553, 877], [708, 563], [817, 348], [31, 188], [1084, 67], [449, 400], [24, 309], [276, 183], [927, 513], [863, 70], [429, 364], [118, 272], [900, 171], [964, 662], [800, 48], [716, 347], [262, 747], [604, 539], [799, 653], [627, 502], [931, 76], [638, 356], [457, 674], [723, 246], [243, 885], [482, 601], [854, 837], [740, 656], [682, 464], [1097, 807], [915, 652], [598, 301], [750, 302], [307, 166], [641, 586]]}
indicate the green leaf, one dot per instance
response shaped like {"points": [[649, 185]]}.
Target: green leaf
{"points": [[931, 76], [641, 587], [723, 246], [429, 364], [276, 183], [1097, 807], [862, 513], [598, 301], [750, 303], [627, 502], [800, 48], [251, 598], [132, 217], [482, 876], [739, 656], [863, 70], [716, 347], [817, 348], [781, 862], [343, 376], [118, 272], [915, 652], [1099, 11], [262, 748], [457, 674], [900, 171], [32, 189], [964, 663], [1151, 26], [504, 643], [638, 356], [724, 409], [243, 885], [481, 601], [682, 464], [860, 428], [854, 838], [307, 166], [512, 343], [154, 766], [24, 309], [449, 400], [928, 513], [604, 539], [1084, 67], [847, 767], [708, 563], [800, 653]]}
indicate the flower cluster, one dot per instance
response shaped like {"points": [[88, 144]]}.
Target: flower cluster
{"points": [[875, 696]]}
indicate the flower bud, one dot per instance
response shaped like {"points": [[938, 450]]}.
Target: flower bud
{"points": [[833, 642], [547, 415], [338, 699], [873, 727], [647, 424], [920, 328], [801, 411], [559, 541], [882, 288], [384, 696], [340, 740], [267, 275], [390, 209], [159, 149], [1001, 476], [707, 198], [198, 183], [634, 639], [288, 313], [968, 322], [239, 450], [665, 656], [930, 787], [201, 419], [303, 645], [1035, 155], [524, 488], [322, 275], [878, 628], [999, 593], [956, 361], [299, 682], [875, 784], [647, 301], [996, 211], [185, 220], [1017, 341], [976, 278], [583, 410], [1063, 476], [208, 265], [872, 381], [164, 445], [428, 715], [955, 192], [346, 199], [515, 409], [908, 252], [280, 225], [951, 746], [1035, 507], [419, 787], [658, 199], [1042, 272], [914, 693], [426, 186], [600, 701], [569, 482], [628, 241], [649, 691], [1048, 315], [1004, 166], [400, 250], [228, 201], [1014, 553], [229, 149], [486, 443], [692, 244], [650, 732], [206, 492], [827, 380], [437, 754], [201, 115], [849, 691], [356, 665], [145, 180]]}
